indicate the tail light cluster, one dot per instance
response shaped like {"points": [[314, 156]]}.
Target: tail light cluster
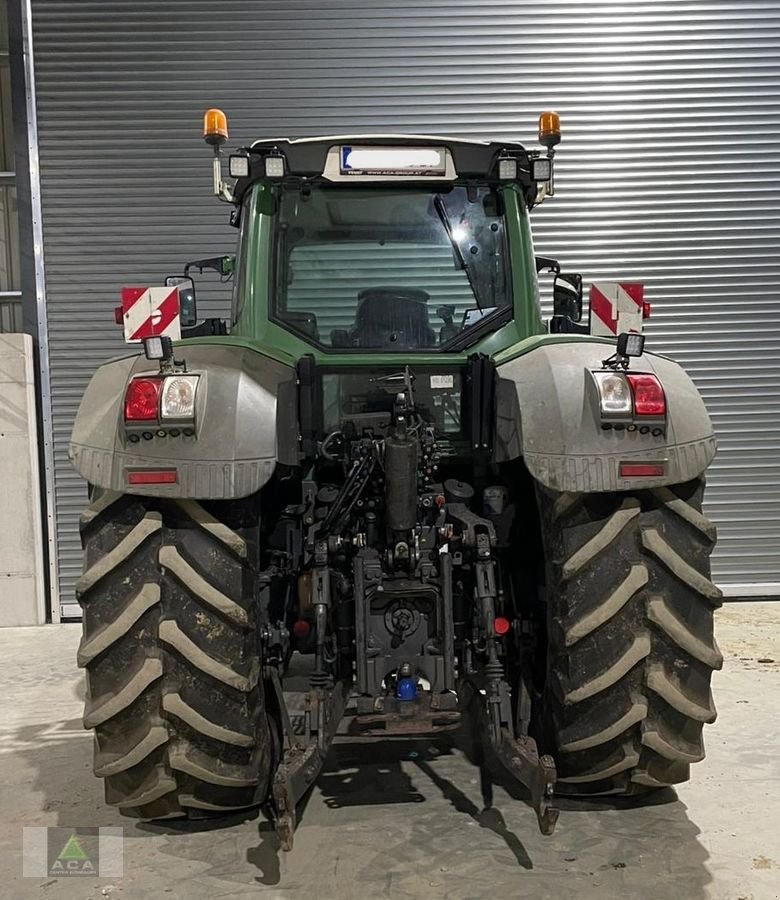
{"points": [[161, 399], [630, 399], [634, 402]]}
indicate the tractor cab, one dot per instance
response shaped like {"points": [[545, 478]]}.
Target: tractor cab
{"points": [[388, 244], [385, 244]]}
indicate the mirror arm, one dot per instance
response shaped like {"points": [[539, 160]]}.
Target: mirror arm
{"points": [[548, 263], [218, 263], [551, 183], [221, 190]]}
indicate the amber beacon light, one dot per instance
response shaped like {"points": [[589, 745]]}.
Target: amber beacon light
{"points": [[215, 127], [215, 133], [549, 129]]}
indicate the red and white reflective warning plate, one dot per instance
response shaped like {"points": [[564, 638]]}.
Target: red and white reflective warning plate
{"points": [[150, 312], [616, 307]]}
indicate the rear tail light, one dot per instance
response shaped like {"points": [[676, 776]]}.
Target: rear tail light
{"points": [[153, 398], [649, 399], [142, 399], [178, 397], [625, 398], [614, 395]]}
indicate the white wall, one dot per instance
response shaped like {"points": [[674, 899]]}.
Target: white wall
{"points": [[21, 541]]}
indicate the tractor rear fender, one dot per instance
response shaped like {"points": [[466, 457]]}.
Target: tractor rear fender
{"points": [[245, 421], [547, 412]]}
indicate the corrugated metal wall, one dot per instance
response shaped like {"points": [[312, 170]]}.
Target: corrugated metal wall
{"points": [[668, 172], [328, 278]]}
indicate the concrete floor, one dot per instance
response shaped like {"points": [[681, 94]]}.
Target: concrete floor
{"points": [[405, 820]]}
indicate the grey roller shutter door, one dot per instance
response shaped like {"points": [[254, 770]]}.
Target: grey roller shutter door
{"points": [[668, 173]]}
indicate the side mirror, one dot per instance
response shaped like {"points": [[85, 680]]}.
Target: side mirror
{"points": [[223, 265], [567, 296], [188, 311]]}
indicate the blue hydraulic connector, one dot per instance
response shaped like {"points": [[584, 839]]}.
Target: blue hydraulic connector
{"points": [[406, 686], [406, 689]]}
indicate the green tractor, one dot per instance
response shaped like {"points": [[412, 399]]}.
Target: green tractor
{"points": [[386, 472]]}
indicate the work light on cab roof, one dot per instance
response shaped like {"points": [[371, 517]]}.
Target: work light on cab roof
{"points": [[384, 158]]}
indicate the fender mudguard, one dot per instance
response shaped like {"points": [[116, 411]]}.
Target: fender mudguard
{"points": [[245, 422], [547, 412]]}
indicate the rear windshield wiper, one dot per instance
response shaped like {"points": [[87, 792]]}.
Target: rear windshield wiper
{"points": [[441, 211]]}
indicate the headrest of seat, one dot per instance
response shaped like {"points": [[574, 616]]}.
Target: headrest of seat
{"points": [[387, 315], [406, 293]]}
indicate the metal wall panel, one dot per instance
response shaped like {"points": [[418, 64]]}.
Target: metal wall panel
{"points": [[330, 277], [668, 173], [10, 314]]}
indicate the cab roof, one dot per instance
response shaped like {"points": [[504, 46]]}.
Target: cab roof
{"points": [[306, 157]]}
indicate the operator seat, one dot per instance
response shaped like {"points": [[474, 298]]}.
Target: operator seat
{"points": [[392, 318]]}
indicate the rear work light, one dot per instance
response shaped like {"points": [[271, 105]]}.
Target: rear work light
{"points": [[507, 169], [648, 395], [142, 399], [274, 166]]}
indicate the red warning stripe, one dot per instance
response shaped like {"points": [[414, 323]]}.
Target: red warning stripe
{"points": [[602, 308], [131, 295], [160, 319], [635, 291]]}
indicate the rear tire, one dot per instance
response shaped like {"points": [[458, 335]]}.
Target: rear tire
{"points": [[630, 636], [171, 652]]}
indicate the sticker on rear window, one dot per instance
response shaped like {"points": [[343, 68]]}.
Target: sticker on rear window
{"points": [[442, 381]]}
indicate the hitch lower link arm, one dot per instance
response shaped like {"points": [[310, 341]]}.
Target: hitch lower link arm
{"points": [[518, 754], [304, 755]]}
